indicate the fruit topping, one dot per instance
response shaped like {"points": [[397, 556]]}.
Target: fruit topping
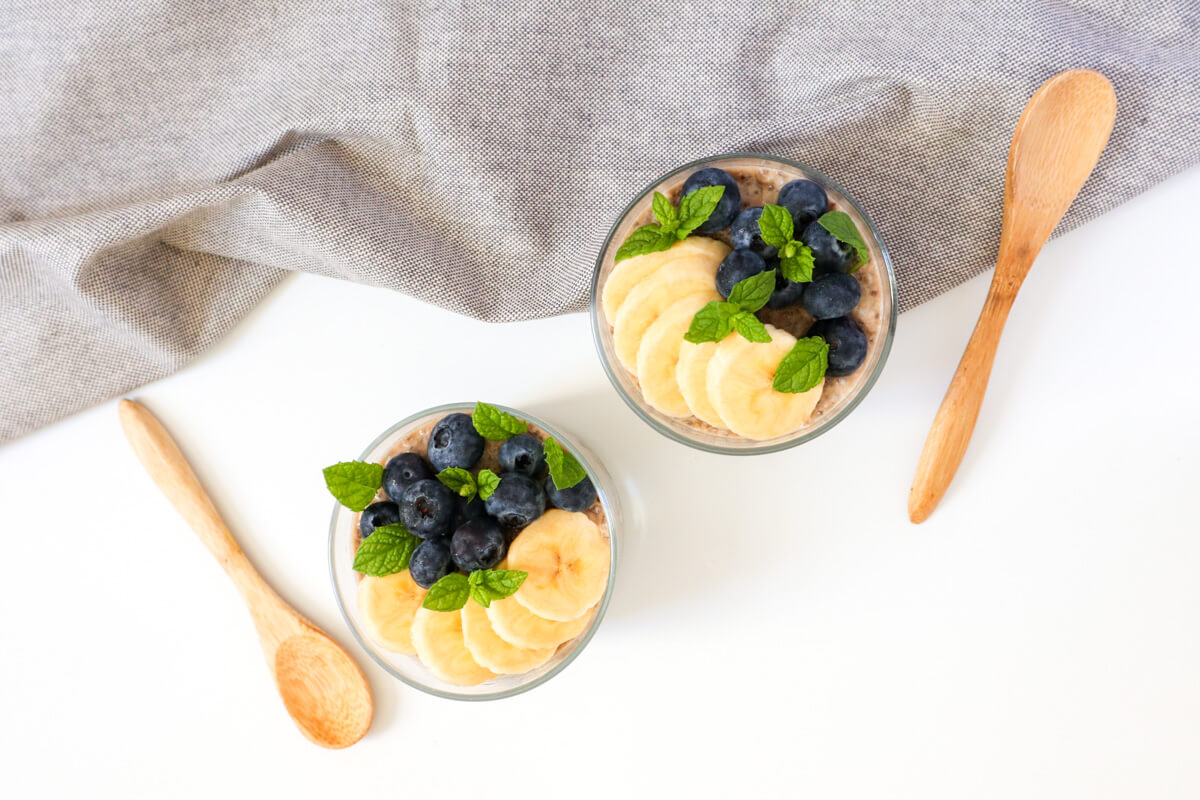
{"points": [[377, 515], [728, 206], [522, 453], [403, 471], [787, 293], [805, 201], [517, 501], [744, 233], [438, 640], [658, 355], [833, 294], [454, 442], [574, 498], [388, 604], [567, 561], [430, 562], [427, 509], [829, 254], [493, 652], [847, 344], [478, 544], [737, 266], [516, 624]]}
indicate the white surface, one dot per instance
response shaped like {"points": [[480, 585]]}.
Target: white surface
{"points": [[778, 626]]}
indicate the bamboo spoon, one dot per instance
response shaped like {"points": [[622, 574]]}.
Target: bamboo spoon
{"points": [[321, 686], [1055, 146]]}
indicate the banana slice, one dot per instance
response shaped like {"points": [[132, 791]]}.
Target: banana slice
{"points": [[658, 355], [692, 375], [438, 639], [518, 625], [493, 652], [567, 558], [739, 386], [651, 297], [632, 271], [388, 605]]}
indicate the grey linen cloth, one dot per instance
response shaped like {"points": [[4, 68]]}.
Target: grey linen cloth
{"points": [[164, 163]]}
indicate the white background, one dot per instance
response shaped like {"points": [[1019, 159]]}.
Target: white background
{"points": [[778, 627]]}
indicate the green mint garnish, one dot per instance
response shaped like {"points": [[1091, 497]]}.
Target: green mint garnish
{"points": [[842, 227], [354, 483], [565, 471], [486, 585], [450, 593], [496, 425], [386, 551], [717, 320], [459, 481], [777, 229], [673, 225], [753, 293], [803, 367], [488, 481], [750, 328]]}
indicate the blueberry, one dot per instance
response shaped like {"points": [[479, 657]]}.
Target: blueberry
{"points": [[454, 442], [377, 515], [430, 562], [573, 498], [517, 501], [805, 200], [467, 509], [403, 471], [832, 295], [427, 509], [478, 544], [829, 255], [745, 233], [847, 344], [787, 293], [522, 453], [728, 206], [737, 266]]}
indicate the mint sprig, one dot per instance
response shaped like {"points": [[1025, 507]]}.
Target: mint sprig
{"points": [[354, 483], [803, 367], [496, 425], [844, 230], [451, 592], [673, 224], [459, 481], [565, 470], [387, 550], [777, 229], [487, 481], [718, 319]]}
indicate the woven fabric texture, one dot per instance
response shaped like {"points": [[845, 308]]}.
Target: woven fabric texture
{"points": [[165, 162]]}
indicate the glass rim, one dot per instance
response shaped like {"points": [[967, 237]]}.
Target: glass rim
{"points": [[603, 492], [802, 437]]}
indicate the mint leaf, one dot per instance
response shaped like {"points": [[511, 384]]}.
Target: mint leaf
{"points": [[665, 213], [753, 293], [842, 227], [646, 239], [496, 425], [450, 593], [459, 481], [803, 367], [354, 483], [775, 226], [487, 585], [565, 471], [696, 208], [712, 323], [386, 551], [796, 262], [750, 328], [488, 481]]}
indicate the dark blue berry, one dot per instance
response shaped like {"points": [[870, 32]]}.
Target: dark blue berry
{"points": [[377, 515], [737, 266], [427, 509], [847, 344], [829, 254], [478, 544], [430, 562], [573, 498], [745, 233], [787, 293], [467, 509], [517, 501], [454, 442], [728, 206], [834, 294], [805, 200], [403, 471], [522, 453]]}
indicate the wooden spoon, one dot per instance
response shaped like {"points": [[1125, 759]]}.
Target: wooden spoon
{"points": [[321, 686], [1058, 140]]}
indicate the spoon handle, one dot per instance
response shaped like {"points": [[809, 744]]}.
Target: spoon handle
{"points": [[169, 469], [955, 420]]}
